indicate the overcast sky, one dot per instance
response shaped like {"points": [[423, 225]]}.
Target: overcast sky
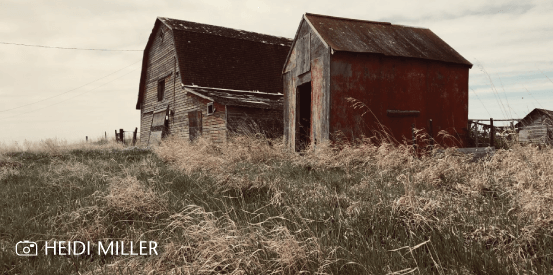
{"points": [[84, 93]]}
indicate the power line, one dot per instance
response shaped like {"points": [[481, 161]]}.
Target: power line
{"points": [[1, 111], [483, 105], [68, 48], [70, 97]]}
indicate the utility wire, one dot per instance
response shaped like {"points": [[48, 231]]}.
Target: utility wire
{"points": [[67, 48], [1, 111], [70, 97], [483, 105]]}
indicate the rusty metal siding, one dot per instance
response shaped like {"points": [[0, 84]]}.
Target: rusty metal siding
{"points": [[351, 35], [438, 90]]}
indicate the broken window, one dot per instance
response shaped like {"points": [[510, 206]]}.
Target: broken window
{"points": [[210, 109], [160, 89]]}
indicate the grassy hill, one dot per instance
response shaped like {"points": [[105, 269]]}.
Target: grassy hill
{"points": [[251, 207]]}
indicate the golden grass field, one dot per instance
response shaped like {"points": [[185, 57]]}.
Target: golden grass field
{"points": [[251, 207]]}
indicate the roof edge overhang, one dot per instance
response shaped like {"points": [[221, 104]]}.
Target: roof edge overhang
{"points": [[468, 64], [188, 89], [230, 90]]}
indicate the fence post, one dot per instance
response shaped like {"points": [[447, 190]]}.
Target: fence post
{"points": [[116, 136], [122, 136], [134, 136], [86, 138], [492, 134], [106, 135]]}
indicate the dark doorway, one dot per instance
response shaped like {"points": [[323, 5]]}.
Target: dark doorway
{"points": [[194, 124], [303, 111]]}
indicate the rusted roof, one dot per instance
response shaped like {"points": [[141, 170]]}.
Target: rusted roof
{"points": [[239, 98], [351, 35], [219, 57]]}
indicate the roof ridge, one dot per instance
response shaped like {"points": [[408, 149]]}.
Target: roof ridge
{"points": [[351, 19], [227, 28]]}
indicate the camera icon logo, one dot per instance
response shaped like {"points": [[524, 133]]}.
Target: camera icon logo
{"points": [[26, 248]]}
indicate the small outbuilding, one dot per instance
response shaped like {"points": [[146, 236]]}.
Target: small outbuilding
{"points": [[210, 81], [536, 127], [348, 78]]}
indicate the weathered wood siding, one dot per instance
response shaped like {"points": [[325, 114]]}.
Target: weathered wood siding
{"points": [[161, 65], [244, 120], [537, 129], [309, 61], [213, 125]]}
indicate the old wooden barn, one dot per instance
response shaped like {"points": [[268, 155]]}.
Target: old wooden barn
{"points": [[400, 76], [536, 127], [200, 79]]}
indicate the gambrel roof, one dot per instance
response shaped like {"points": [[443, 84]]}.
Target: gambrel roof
{"points": [[219, 57]]}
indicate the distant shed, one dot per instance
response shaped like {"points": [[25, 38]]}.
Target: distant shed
{"points": [[401, 75], [536, 127]]}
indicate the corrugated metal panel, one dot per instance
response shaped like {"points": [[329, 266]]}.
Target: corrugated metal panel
{"points": [[351, 35]]}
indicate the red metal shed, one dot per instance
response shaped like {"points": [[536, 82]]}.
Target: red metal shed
{"points": [[399, 75]]}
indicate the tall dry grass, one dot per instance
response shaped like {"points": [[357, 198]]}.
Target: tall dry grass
{"points": [[249, 206]]}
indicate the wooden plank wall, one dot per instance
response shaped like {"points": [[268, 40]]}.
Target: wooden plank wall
{"points": [[213, 126], [309, 54], [161, 64]]}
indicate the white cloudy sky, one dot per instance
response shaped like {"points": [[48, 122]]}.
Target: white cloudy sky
{"points": [[84, 93]]}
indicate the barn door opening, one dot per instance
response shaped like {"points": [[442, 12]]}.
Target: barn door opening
{"points": [[303, 111], [194, 124]]}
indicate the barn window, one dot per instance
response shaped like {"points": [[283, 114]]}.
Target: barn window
{"points": [[210, 109], [160, 89], [161, 35]]}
